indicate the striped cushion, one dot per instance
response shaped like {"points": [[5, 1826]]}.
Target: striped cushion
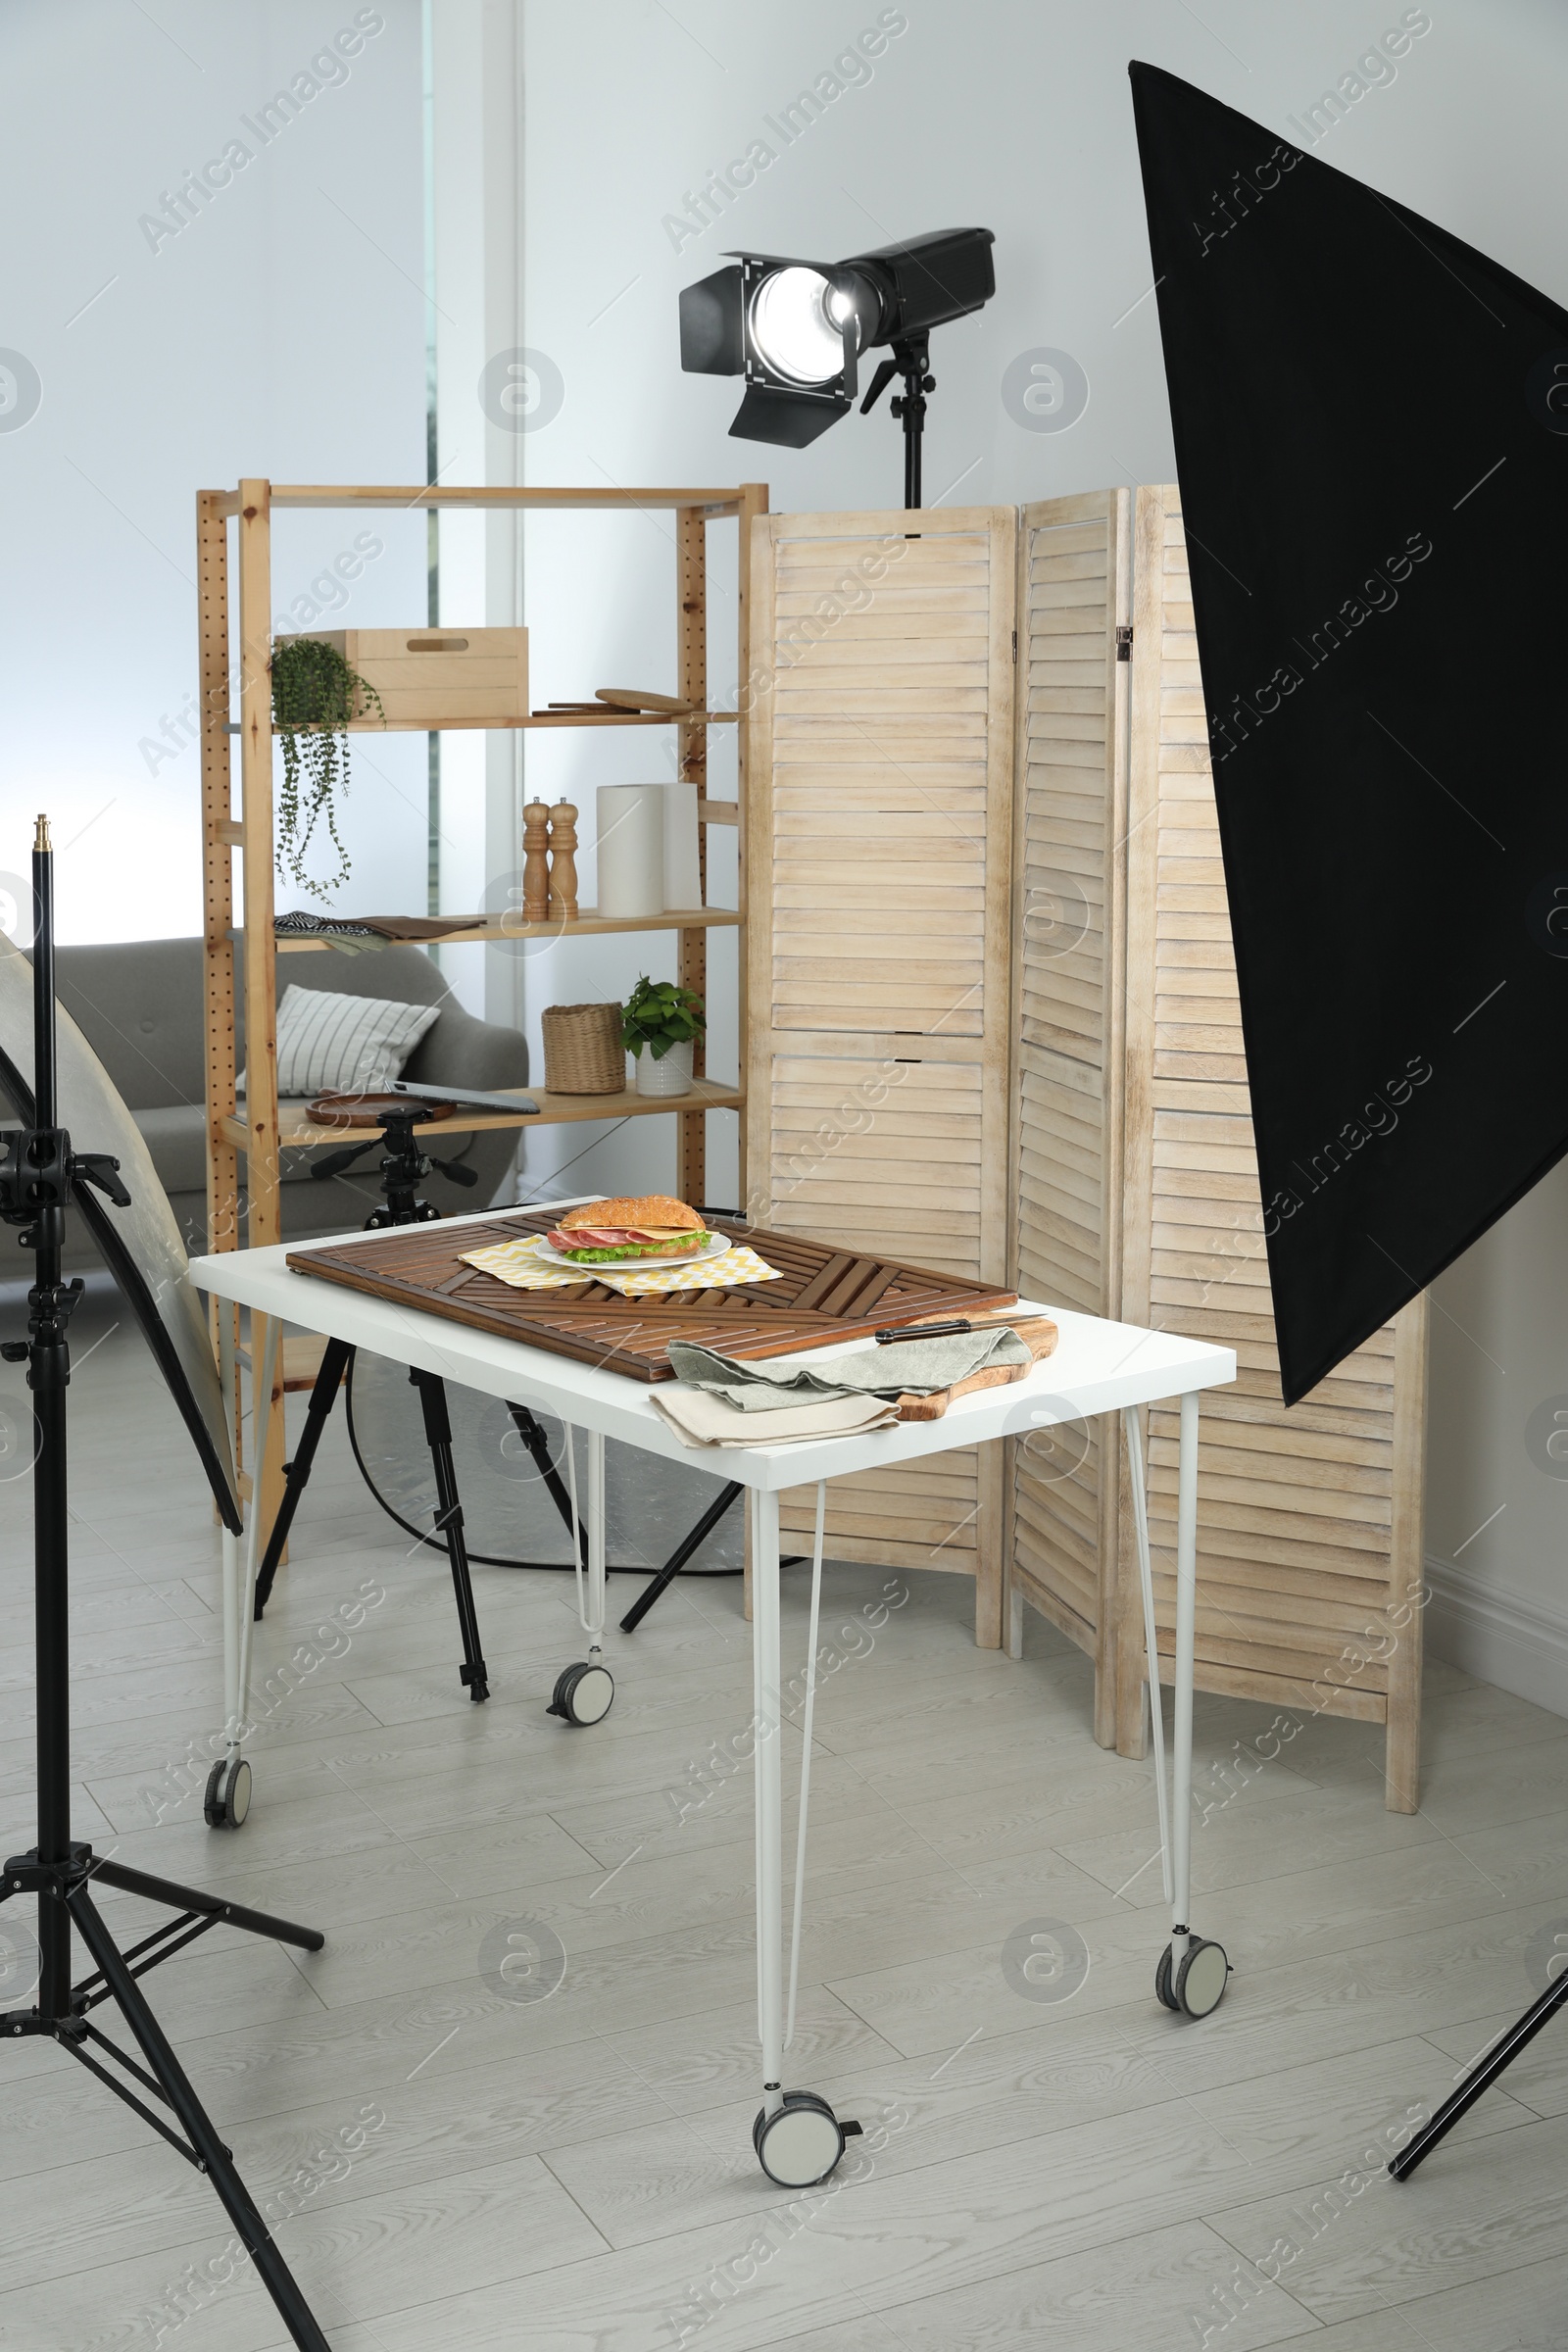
{"points": [[328, 1042]]}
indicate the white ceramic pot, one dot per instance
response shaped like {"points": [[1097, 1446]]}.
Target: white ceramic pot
{"points": [[671, 1076]]}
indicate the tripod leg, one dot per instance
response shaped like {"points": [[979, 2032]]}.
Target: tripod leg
{"points": [[679, 1558], [449, 1519], [192, 1899], [296, 1474], [533, 1437], [216, 2161], [1481, 2076]]}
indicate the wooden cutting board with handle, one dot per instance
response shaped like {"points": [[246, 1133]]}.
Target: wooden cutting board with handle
{"points": [[1038, 1333]]}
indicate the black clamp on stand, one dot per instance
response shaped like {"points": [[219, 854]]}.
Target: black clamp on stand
{"points": [[39, 1179]]}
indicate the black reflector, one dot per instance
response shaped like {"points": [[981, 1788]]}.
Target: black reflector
{"points": [[1370, 438]]}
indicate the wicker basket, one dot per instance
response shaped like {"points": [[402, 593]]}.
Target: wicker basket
{"points": [[583, 1052]]}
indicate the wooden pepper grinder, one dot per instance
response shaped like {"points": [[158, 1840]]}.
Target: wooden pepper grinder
{"points": [[564, 863], [536, 863]]}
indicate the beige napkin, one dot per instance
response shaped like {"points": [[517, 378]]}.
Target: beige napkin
{"points": [[700, 1418]]}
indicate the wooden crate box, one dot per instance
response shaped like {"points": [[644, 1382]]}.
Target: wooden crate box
{"points": [[434, 677]]}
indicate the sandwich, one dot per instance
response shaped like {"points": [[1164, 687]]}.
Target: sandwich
{"points": [[606, 1233]]}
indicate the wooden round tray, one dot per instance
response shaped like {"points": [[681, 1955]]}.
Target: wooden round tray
{"points": [[372, 1109]]}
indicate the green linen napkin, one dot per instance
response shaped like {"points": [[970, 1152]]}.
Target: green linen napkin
{"points": [[913, 1367]]}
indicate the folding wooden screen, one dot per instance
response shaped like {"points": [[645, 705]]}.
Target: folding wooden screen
{"points": [[877, 874], [1091, 1131]]}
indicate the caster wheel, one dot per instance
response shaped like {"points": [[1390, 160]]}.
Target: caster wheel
{"points": [[228, 1795], [1198, 1984], [584, 1692], [800, 2145], [1201, 1978]]}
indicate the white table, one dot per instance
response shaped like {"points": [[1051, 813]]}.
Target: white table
{"points": [[1099, 1367]]}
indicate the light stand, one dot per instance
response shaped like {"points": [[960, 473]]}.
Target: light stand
{"points": [[38, 1183], [1502, 2054], [910, 360]]}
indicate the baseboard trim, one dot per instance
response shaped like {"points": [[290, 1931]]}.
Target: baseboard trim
{"points": [[1499, 1635]]}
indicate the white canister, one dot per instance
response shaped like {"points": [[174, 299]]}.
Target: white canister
{"points": [[673, 1075], [632, 849]]}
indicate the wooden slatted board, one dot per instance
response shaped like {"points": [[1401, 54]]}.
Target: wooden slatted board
{"points": [[825, 1295], [878, 859], [1069, 869]]}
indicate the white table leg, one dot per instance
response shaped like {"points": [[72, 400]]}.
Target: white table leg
{"points": [[767, 1728], [1192, 1970], [229, 1383], [594, 1615], [585, 1691], [227, 1800], [260, 1430], [798, 2137], [806, 1756], [1186, 1625], [1146, 1576]]}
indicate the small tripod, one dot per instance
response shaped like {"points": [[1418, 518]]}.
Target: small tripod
{"points": [[38, 1181], [404, 1166]]}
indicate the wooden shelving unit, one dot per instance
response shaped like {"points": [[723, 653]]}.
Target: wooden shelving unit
{"points": [[257, 1138]]}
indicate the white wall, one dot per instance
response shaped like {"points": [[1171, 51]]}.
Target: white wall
{"points": [[279, 332], [1013, 114]]}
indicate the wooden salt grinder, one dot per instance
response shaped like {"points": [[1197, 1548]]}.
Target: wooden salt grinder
{"points": [[536, 861], [564, 863]]}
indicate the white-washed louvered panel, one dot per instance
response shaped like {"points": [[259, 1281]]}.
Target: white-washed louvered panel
{"points": [[880, 1153], [878, 863], [883, 729], [1069, 798], [1308, 1519]]}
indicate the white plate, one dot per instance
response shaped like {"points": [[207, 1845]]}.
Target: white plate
{"points": [[715, 1247]]}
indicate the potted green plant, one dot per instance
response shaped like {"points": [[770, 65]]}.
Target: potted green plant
{"points": [[667, 1019], [315, 695]]}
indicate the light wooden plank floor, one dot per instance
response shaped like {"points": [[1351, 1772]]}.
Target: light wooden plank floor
{"points": [[453, 2166]]}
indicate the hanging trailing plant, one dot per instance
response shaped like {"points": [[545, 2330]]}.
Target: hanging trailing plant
{"points": [[315, 695]]}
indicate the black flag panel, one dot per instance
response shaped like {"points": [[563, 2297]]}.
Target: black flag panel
{"points": [[1371, 424]]}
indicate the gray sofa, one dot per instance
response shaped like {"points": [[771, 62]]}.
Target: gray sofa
{"points": [[140, 1004]]}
